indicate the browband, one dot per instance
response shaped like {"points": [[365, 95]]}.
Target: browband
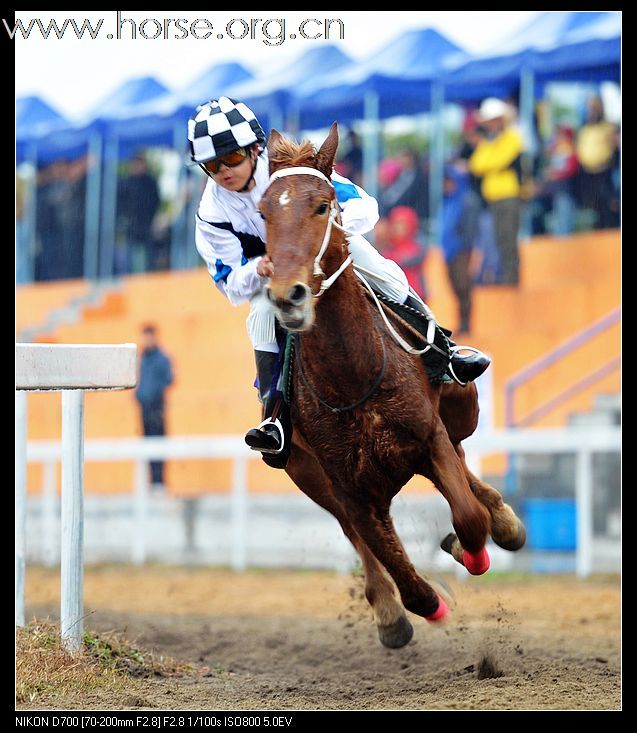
{"points": [[299, 170]]}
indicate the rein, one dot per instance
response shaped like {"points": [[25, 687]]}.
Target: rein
{"points": [[358, 403], [329, 281]]}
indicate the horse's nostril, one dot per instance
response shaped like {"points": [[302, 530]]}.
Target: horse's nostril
{"points": [[268, 294], [298, 294]]}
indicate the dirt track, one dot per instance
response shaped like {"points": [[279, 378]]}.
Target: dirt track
{"points": [[278, 640]]}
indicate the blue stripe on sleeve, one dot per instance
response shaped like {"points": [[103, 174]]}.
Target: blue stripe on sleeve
{"points": [[345, 191], [222, 271]]}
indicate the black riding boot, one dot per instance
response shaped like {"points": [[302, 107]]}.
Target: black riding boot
{"points": [[268, 436], [462, 368]]}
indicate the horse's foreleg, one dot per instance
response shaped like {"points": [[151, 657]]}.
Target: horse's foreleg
{"points": [[470, 518], [394, 629], [507, 530], [373, 524]]}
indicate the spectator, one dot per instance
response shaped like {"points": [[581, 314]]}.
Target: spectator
{"points": [[405, 249], [155, 375], [409, 188], [73, 216], [51, 201], [459, 233], [351, 164], [559, 180], [597, 148], [138, 202], [476, 210], [22, 255], [496, 161]]}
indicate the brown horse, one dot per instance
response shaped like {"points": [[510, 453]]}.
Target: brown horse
{"points": [[366, 418]]}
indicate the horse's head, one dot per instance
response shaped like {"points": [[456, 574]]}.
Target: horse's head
{"points": [[298, 213]]}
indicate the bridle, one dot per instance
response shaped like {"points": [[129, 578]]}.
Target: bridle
{"points": [[329, 281], [317, 270]]}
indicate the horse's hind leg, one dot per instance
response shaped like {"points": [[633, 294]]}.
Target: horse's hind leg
{"points": [[507, 530], [394, 629], [470, 518]]}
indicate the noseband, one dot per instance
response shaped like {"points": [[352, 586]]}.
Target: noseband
{"points": [[317, 270]]}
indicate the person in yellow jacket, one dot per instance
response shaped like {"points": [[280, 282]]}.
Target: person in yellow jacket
{"points": [[597, 142], [496, 162]]}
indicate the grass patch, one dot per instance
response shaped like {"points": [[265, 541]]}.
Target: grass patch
{"points": [[45, 671]]}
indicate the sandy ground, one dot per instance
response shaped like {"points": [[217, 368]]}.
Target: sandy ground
{"points": [[306, 640]]}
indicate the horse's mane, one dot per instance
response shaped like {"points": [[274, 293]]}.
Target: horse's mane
{"points": [[287, 152]]}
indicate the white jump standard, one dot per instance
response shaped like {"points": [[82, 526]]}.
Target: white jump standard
{"points": [[71, 369]]}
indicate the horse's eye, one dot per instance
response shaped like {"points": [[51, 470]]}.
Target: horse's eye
{"points": [[322, 208], [262, 215]]}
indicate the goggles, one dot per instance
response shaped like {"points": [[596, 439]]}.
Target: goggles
{"points": [[230, 160]]}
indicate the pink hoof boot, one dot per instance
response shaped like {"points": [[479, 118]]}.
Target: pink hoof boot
{"points": [[440, 613], [477, 563]]}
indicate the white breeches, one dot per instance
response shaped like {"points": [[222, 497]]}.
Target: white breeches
{"points": [[385, 275]]}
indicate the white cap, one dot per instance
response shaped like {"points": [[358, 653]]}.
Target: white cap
{"points": [[492, 108]]}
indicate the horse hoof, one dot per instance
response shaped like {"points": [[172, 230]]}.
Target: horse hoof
{"points": [[397, 634], [440, 613], [477, 563], [517, 542], [448, 542]]}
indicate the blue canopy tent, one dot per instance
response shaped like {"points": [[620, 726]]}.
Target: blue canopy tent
{"points": [[400, 75], [555, 46], [159, 121], [34, 118], [272, 98], [400, 79]]}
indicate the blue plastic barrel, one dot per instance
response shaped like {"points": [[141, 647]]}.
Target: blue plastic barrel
{"points": [[550, 524]]}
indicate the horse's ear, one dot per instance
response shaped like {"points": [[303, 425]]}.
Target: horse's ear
{"points": [[327, 151], [274, 139]]}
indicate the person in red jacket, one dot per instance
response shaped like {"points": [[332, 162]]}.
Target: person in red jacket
{"points": [[404, 248]]}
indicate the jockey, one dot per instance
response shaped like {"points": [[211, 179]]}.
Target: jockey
{"points": [[228, 143]]}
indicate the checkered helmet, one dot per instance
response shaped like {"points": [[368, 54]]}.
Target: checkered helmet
{"points": [[222, 126]]}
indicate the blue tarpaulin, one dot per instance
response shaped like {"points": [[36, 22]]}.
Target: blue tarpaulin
{"points": [[401, 74], [33, 119], [555, 46], [272, 96]]}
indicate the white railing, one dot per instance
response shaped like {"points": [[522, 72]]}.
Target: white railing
{"points": [[583, 442], [70, 369]]}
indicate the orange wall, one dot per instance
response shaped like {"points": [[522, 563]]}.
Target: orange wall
{"points": [[566, 285]]}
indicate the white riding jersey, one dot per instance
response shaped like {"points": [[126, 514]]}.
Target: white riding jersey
{"points": [[230, 233]]}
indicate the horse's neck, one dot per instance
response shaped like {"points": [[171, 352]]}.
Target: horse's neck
{"points": [[344, 330]]}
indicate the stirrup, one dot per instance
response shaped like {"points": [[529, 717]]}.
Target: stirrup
{"points": [[277, 423], [450, 370]]}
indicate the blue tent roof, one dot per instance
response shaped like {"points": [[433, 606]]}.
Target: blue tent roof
{"points": [[33, 119], [401, 73], [154, 122], [122, 101], [31, 112], [276, 89], [213, 83], [555, 46]]}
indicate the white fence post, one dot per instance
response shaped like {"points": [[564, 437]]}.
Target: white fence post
{"points": [[20, 502], [50, 514], [140, 513], [70, 369], [584, 513], [72, 548], [239, 510]]}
